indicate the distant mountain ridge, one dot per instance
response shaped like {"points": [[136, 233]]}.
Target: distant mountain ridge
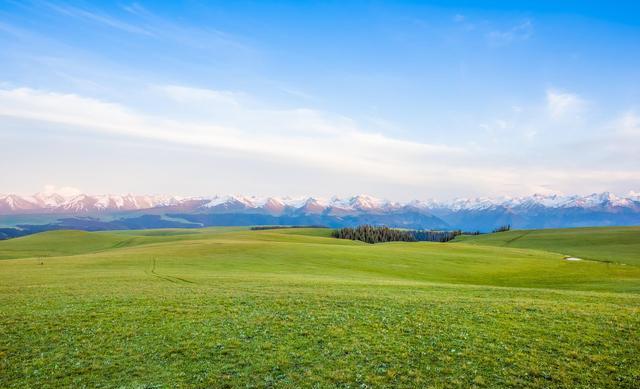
{"points": [[84, 203], [80, 204], [535, 211]]}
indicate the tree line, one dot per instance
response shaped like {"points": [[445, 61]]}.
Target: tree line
{"points": [[375, 234], [504, 228]]}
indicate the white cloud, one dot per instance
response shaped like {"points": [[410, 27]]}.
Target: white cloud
{"points": [[563, 105], [65, 191], [623, 138], [312, 140], [184, 94], [147, 24], [300, 135], [100, 18], [628, 124], [519, 32]]}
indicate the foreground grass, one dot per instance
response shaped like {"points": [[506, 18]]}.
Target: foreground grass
{"points": [[230, 307]]}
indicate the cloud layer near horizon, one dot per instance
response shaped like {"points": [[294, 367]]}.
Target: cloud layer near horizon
{"points": [[226, 121]]}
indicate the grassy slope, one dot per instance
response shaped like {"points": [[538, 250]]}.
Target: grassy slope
{"points": [[293, 307], [610, 244]]}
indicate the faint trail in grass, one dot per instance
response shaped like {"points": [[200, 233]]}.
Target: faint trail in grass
{"points": [[182, 279], [124, 243], [166, 277], [153, 273], [508, 242]]}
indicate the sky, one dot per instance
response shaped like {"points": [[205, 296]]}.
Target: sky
{"points": [[401, 100]]}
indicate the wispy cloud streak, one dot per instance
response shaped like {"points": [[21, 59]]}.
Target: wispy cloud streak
{"points": [[302, 135], [519, 32]]}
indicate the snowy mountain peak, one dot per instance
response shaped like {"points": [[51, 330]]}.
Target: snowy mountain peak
{"points": [[47, 202], [366, 202]]}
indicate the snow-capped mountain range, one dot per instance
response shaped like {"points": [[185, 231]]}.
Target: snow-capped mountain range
{"points": [[82, 204], [22, 215]]}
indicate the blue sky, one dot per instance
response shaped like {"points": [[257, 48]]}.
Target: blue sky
{"points": [[401, 100]]}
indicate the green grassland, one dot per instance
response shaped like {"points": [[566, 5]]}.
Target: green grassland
{"points": [[609, 244], [230, 307]]}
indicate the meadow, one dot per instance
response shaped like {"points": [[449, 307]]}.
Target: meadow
{"points": [[608, 244], [231, 307]]}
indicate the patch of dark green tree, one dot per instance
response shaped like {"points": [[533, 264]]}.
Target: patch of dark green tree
{"points": [[381, 234], [504, 228]]}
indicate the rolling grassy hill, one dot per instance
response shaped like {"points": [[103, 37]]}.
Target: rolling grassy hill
{"points": [[609, 244], [294, 307]]}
